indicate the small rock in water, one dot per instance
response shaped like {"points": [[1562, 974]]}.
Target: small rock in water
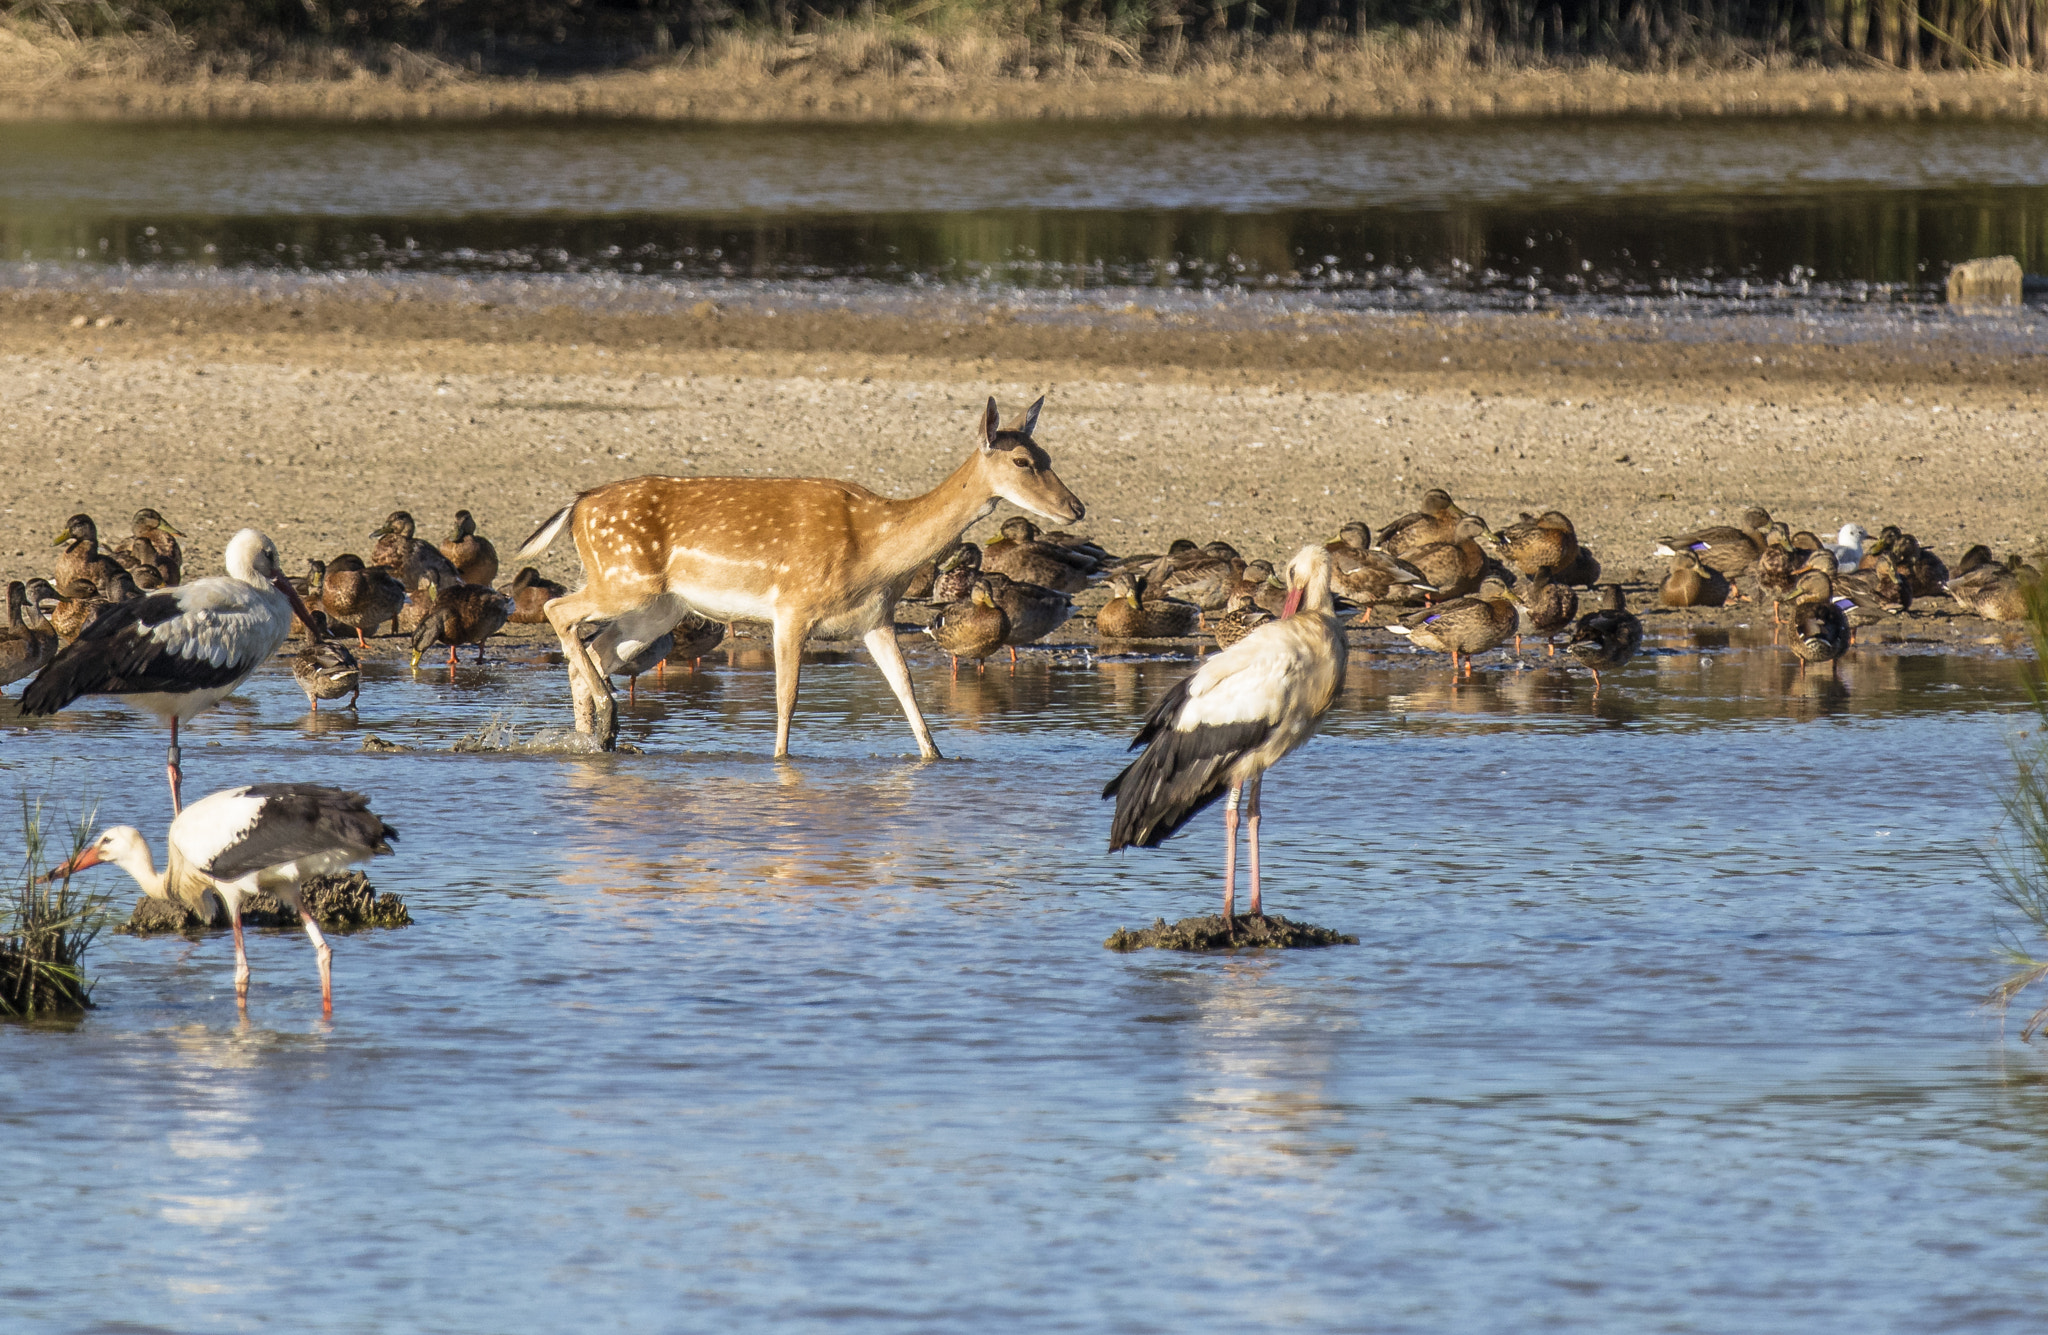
{"points": [[376, 745], [1214, 932], [343, 902]]}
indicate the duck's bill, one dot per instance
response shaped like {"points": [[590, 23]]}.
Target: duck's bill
{"points": [[89, 857]]}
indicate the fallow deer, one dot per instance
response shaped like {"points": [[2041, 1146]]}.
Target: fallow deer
{"points": [[810, 555]]}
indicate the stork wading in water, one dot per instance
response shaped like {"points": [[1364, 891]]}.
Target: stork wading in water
{"points": [[267, 836], [811, 555], [179, 652], [1222, 728]]}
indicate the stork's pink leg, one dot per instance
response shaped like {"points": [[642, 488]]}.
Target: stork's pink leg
{"points": [[241, 955], [323, 953], [1252, 815], [171, 759], [1230, 852]]}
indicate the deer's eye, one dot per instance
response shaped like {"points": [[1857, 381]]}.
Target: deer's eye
{"points": [[1021, 463]]}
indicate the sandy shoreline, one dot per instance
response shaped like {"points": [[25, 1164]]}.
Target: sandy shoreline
{"points": [[50, 82], [315, 418]]}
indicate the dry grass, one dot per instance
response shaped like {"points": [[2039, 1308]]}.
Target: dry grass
{"points": [[2019, 864]]}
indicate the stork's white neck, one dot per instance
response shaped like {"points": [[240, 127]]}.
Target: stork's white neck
{"points": [[134, 859]]}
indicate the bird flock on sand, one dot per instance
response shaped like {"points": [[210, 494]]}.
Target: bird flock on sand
{"points": [[671, 563]]}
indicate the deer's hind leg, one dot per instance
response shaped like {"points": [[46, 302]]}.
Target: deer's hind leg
{"points": [[888, 656], [597, 712]]}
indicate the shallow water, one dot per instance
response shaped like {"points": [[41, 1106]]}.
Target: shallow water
{"points": [[1428, 215], [1663, 1018]]}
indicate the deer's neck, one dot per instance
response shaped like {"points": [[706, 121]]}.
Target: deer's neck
{"points": [[921, 527]]}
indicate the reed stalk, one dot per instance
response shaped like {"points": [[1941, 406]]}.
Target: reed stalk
{"points": [[46, 927], [2019, 862]]}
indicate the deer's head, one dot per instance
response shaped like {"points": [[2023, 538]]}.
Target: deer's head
{"points": [[1017, 470]]}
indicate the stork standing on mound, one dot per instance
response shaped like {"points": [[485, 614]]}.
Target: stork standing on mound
{"points": [[231, 844], [179, 652], [1224, 727]]}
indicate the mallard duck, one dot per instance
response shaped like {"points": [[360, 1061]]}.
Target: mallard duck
{"points": [[1820, 631], [1977, 556], [1877, 590], [458, 614], [1361, 575], [974, 627], [155, 543], [956, 575], [1548, 542], [530, 595], [1922, 570], [415, 563], [1692, 583], [1033, 611], [325, 669], [1775, 572], [1724, 549], [359, 596], [81, 557], [1991, 592], [1543, 607], [1455, 568], [918, 587], [78, 602], [1178, 550], [1464, 625], [26, 641], [1206, 583], [1132, 613], [1240, 617], [1584, 570], [1019, 532], [695, 637], [1034, 563], [472, 555], [1435, 522], [147, 578], [1607, 638]]}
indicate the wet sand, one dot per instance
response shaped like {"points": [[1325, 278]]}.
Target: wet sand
{"points": [[314, 416]]}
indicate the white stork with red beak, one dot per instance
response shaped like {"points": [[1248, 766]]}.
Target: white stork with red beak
{"points": [[267, 836], [1221, 729], [178, 652]]}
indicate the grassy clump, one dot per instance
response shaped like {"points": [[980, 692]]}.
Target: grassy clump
{"points": [[48, 926], [339, 902], [2019, 864], [1268, 931]]}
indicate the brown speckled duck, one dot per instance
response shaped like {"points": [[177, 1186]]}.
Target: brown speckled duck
{"points": [[1029, 561], [956, 575], [1464, 625], [360, 597], [1362, 575], [459, 614], [1727, 550], [974, 627], [530, 595], [1545, 607], [472, 555], [1547, 542], [326, 670], [1435, 522], [1453, 568], [1240, 618], [1133, 613], [1033, 611], [1692, 583], [155, 543], [27, 641], [1820, 632], [415, 563], [81, 557]]}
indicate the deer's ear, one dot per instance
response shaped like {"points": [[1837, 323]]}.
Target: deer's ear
{"points": [[1029, 419], [991, 422]]}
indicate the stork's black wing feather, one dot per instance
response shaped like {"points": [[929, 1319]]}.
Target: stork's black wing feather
{"points": [[1181, 773], [297, 820], [116, 655]]}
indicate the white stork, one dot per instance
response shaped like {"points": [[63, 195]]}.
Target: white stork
{"points": [[179, 652], [267, 836], [1225, 726]]}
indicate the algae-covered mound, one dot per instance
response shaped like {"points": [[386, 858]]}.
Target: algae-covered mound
{"points": [[344, 902], [1267, 931]]}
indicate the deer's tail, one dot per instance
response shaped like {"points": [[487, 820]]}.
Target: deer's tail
{"points": [[543, 537]]}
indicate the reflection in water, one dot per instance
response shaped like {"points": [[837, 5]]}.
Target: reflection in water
{"points": [[833, 1042]]}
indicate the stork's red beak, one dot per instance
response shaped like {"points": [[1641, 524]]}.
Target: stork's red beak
{"points": [[88, 857], [1293, 603], [298, 604]]}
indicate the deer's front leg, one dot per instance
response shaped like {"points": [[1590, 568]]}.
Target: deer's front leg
{"points": [[888, 655], [589, 692], [790, 634]]}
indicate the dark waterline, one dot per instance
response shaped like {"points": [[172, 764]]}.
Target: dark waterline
{"points": [[1501, 215]]}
